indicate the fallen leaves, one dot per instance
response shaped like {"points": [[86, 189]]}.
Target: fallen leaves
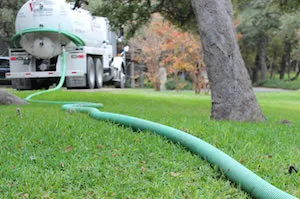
{"points": [[115, 155], [243, 160], [69, 148], [174, 174], [286, 122], [144, 169]]}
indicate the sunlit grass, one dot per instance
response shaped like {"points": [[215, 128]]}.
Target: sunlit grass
{"points": [[56, 154]]}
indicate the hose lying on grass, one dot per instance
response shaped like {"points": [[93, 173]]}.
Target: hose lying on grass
{"points": [[236, 172]]}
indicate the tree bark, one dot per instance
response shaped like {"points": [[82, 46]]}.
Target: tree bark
{"points": [[232, 94], [285, 57], [9, 99], [273, 65], [255, 72], [261, 60]]}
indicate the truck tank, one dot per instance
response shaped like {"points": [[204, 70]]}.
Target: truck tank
{"points": [[43, 26]]}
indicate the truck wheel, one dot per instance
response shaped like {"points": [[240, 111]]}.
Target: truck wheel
{"points": [[90, 76], [99, 73], [121, 83]]}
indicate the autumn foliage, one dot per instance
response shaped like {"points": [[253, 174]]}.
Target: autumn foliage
{"points": [[163, 45], [238, 35]]}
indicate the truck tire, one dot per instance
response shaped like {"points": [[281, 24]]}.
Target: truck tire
{"points": [[90, 73], [121, 83], [99, 73]]}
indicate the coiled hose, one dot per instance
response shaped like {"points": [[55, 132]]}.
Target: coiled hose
{"points": [[236, 172]]}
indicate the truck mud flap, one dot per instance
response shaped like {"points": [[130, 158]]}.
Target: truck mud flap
{"points": [[21, 84], [73, 82]]}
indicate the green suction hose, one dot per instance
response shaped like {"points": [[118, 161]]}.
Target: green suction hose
{"points": [[235, 171], [15, 40], [60, 84]]}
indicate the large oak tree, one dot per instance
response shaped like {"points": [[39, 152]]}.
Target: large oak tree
{"points": [[8, 12], [232, 94]]}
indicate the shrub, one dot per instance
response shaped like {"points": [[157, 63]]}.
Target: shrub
{"points": [[171, 84], [276, 83], [148, 84]]}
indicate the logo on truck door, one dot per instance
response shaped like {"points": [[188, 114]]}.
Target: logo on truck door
{"points": [[41, 7]]}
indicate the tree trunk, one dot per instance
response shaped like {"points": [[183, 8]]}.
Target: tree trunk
{"points": [[273, 65], [285, 57], [288, 64], [283, 66], [271, 69], [255, 75], [298, 73], [232, 94], [8, 99], [156, 83], [261, 60]]}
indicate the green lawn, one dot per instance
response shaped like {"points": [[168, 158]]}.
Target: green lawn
{"points": [[49, 153]]}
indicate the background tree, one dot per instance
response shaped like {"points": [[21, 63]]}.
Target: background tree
{"points": [[273, 20], [290, 24], [186, 56], [274, 52], [8, 12], [150, 45], [163, 45], [134, 14], [256, 22], [296, 55]]}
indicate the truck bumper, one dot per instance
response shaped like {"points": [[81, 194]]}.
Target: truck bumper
{"points": [[45, 74]]}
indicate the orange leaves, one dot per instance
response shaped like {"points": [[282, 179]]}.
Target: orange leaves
{"points": [[239, 36], [163, 45], [167, 60], [237, 22], [186, 51]]}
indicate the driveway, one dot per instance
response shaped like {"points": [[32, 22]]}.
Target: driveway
{"points": [[261, 89]]}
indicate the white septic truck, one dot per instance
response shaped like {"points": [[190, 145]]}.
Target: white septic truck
{"points": [[43, 28]]}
